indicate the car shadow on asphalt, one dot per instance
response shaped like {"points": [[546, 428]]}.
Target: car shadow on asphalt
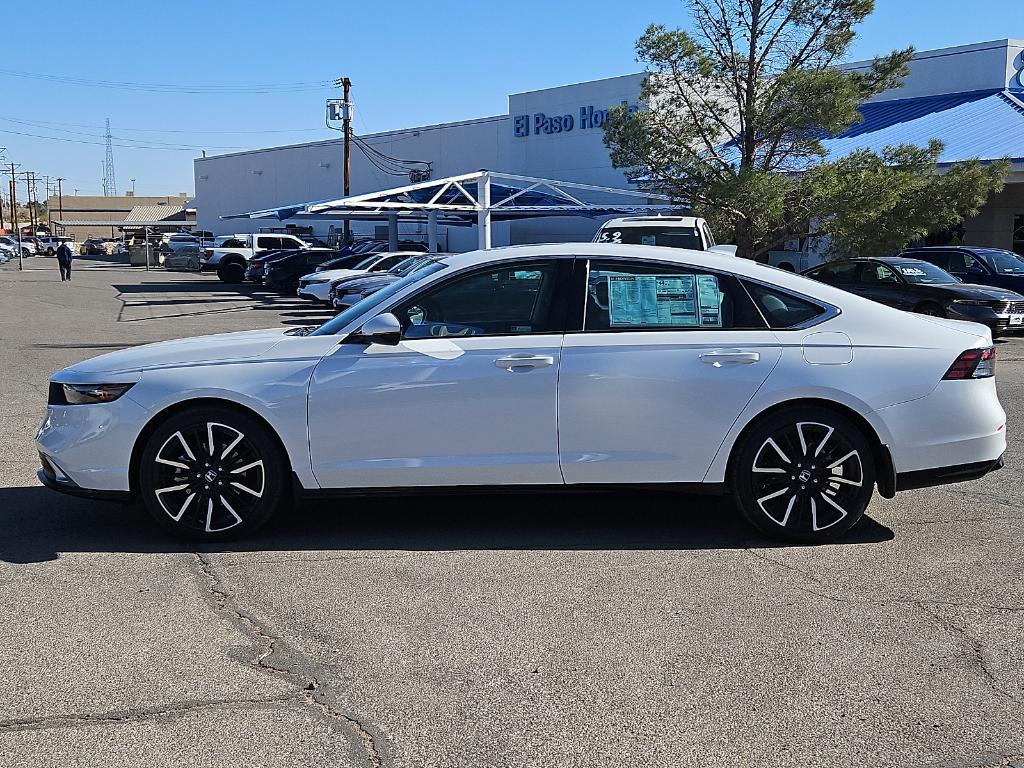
{"points": [[39, 525]]}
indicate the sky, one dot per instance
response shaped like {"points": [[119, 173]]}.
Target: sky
{"points": [[415, 63]]}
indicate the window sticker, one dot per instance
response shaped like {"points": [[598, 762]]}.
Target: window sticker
{"points": [[682, 301], [648, 240], [911, 271]]}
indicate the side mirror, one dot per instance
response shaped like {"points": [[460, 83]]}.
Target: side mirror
{"points": [[382, 329]]}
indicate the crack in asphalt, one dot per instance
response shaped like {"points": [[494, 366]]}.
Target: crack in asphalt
{"points": [[977, 652], [134, 715], [309, 683], [925, 605]]}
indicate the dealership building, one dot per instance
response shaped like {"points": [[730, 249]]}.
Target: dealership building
{"points": [[970, 97]]}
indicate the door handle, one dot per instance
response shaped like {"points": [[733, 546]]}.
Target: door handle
{"points": [[524, 362], [720, 357]]}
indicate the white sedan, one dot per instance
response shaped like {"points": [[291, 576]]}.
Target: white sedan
{"points": [[317, 285], [543, 366]]}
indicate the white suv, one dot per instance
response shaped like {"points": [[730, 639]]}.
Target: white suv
{"points": [[670, 231], [231, 253]]}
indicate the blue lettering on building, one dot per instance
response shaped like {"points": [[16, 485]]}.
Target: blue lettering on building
{"points": [[538, 123]]}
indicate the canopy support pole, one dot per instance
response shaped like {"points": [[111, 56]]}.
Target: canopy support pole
{"points": [[392, 231], [432, 231], [483, 217]]}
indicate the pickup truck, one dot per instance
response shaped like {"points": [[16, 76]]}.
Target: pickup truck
{"points": [[231, 253], [667, 231]]}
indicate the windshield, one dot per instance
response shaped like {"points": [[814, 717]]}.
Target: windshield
{"points": [[923, 272], [380, 297], [1005, 262], [367, 263], [671, 237]]}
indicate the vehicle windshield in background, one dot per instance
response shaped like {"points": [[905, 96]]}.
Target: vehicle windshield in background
{"points": [[670, 237], [923, 272], [344, 318], [1006, 262]]}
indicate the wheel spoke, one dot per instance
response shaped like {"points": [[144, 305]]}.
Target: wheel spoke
{"points": [[232, 444], [209, 516], [842, 513], [258, 494], [835, 464], [184, 506], [247, 467]]}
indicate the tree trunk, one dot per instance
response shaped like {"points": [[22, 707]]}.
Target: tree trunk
{"points": [[744, 240]]}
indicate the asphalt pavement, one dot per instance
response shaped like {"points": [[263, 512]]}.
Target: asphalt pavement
{"points": [[623, 629]]}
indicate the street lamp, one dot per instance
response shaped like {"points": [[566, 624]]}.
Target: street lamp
{"points": [[133, 187]]}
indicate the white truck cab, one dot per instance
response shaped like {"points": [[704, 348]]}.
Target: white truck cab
{"points": [[231, 253], [668, 231]]}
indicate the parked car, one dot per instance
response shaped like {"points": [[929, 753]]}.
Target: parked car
{"points": [[282, 274], [256, 266], [919, 286], [669, 231], [347, 291], [92, 247], [537, 366], [27, 247], [182, 260], [229, 255], [983, 266], [317, 285], [50, 243]]}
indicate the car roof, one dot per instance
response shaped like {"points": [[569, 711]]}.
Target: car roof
{"points": [[643, 221]]}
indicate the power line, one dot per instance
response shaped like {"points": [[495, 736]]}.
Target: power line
{"points": [[175, 144], [47, 124], [103, 143], [312, 85]]}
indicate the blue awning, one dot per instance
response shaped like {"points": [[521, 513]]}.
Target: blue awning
{"points": [[983, 125]]}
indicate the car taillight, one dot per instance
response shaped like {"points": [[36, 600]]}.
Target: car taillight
{"points": [[973, 364]]}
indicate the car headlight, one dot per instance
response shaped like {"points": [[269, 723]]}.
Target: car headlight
{"points": [[86, 394], [972, 303]]}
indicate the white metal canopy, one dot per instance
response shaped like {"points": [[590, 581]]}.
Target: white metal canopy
{"points": [[483, 196]]}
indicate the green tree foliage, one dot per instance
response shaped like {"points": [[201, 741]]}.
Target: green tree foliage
{"points": [[738, 108]]}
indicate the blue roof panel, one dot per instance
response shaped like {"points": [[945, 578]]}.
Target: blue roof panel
{"points": [[987, 125]]}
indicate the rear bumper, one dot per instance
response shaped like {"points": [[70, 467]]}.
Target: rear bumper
{"points": [[926, 478]]}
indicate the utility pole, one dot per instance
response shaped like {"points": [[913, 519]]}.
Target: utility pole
{"points": [[60, 200], [346, 86], [14, 215]]}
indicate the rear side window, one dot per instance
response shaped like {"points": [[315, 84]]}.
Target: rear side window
{"points": [[624, 296], [783, 310]]}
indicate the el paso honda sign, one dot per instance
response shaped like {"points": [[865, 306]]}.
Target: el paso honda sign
{"points": [[538, 122]]}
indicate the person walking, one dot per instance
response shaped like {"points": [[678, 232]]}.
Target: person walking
{"points": [[64, 258]]}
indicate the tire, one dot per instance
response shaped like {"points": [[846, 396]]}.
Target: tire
{"points": [[202, 505], [930, 309], [50, 251], [785, 476], [231, 272]]}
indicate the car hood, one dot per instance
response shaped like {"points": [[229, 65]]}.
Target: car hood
{"points": [[333, 274], [221, 348], [364, 283], [975, 291]]}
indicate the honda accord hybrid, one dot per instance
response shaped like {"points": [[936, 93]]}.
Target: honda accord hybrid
{"points": [[566, 366]]}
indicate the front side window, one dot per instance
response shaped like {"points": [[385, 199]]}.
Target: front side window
{"points": [[877, 273], [625, 296], [1006, 262], [841, 272], [498, 301]]}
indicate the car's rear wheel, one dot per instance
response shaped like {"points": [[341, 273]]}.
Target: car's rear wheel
{"points": [[50, 251], [231, 272], [212, 473], [805, 474]]}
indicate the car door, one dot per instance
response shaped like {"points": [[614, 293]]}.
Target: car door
{"points": [[466, 398], [880, 283], [666, 360]]}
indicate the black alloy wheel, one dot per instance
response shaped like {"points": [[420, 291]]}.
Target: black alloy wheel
{"points": [[212, 473], [804, 474]]}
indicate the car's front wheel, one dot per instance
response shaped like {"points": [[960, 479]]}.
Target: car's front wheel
{"points": [[805, 474], [212, 473]]}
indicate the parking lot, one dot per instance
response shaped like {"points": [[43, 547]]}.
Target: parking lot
{"points": [[618, 629]]}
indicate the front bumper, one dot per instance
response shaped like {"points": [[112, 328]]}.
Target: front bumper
{"points": [[48, 477], [314, 291]]}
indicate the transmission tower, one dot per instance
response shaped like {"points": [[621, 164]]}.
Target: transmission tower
{"points": [[109, 185]]}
